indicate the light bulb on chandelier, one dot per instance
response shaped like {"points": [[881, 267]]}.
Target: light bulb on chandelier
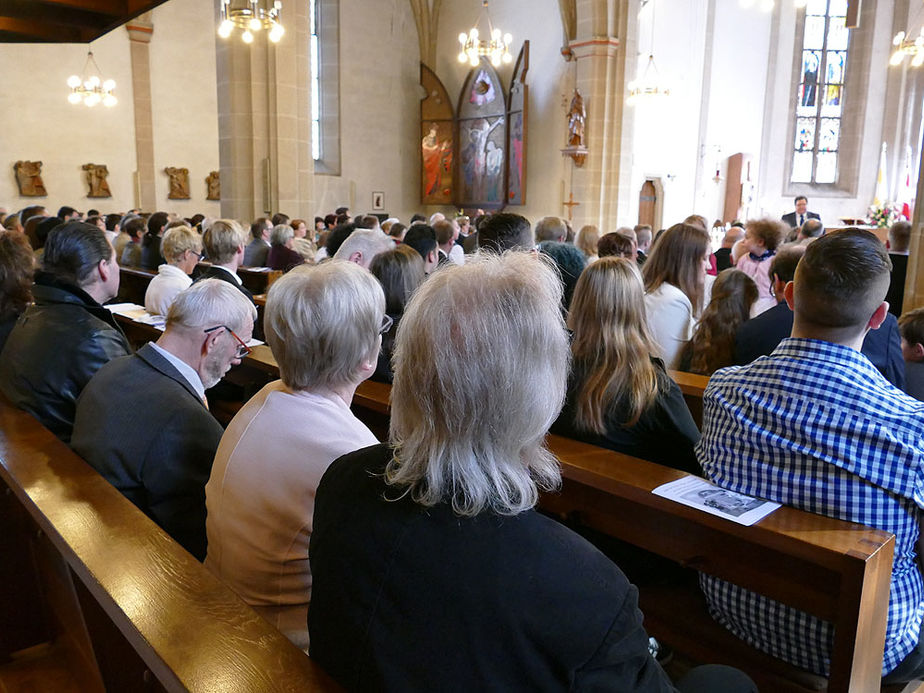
{"points": [[91, 89], [496, 48], [251, 16]]}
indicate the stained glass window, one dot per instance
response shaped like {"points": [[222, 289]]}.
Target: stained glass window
{"points": [[315, 59], [820, 95]]}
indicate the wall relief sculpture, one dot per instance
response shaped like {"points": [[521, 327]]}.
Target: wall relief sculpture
{"points": [[213, 183], [96, 179], [179, 183], [29, 178]]}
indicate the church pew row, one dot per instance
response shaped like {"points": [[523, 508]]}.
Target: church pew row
{"points": [[133, 281], [130, 608], [837, 570]]}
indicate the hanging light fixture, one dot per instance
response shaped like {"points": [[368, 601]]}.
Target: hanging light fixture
{"points": [[497, 47], [91, 88], [905, 46], [649, 85], [251, 16]]}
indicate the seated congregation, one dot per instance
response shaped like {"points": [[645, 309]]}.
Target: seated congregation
{"points": [[410, 563]]}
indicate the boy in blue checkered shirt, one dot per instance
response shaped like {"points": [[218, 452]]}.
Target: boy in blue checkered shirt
{"points": [[814, 425]]}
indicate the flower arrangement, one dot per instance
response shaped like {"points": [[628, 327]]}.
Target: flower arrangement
{"points": [[883, 215]]}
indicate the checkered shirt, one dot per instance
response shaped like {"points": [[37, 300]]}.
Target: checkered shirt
{"points": [[816, 426]]}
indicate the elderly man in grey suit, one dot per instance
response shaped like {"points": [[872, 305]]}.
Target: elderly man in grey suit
{"points": [[143, 421]]}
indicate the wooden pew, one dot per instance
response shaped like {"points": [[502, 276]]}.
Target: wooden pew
{"points": [[692, 385], [133, 284], [131, 608], [839, 571]]}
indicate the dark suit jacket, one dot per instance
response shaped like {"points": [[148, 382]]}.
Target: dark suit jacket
{"points": [[896, 295], [761, 335], [407, 598], [142, 426], [218, 273], [256, 252], [793, 219], [282, 258], [151, 257]]}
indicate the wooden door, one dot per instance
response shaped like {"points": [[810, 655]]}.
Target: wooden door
{"points": [[647, 199]]}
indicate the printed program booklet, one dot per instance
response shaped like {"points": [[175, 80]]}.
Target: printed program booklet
{"points": [[706, 496]]}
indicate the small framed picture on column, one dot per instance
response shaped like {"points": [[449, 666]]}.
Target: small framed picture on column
{"points": [[378, 202]]}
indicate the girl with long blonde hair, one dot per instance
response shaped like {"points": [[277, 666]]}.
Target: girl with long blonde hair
{"points": [[619, 394]]}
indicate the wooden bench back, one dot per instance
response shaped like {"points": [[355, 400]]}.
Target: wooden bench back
{"points": [[141, 612], [839, 571]]}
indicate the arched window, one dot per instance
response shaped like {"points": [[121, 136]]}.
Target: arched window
{"points": [[324, 53], [820, 95]]}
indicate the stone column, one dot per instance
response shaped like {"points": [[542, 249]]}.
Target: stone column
{"points": [[602, 184], [264, 121], [139, 34]]}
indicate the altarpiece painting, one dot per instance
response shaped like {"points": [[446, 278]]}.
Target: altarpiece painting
{"points": [[475, 157]]}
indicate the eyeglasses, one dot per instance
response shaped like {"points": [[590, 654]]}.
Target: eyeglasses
{"points": [[242, 348], [387, 322]]}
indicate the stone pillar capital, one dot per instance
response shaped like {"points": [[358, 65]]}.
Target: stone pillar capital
{"points": [[140, 28], [597, 47]]}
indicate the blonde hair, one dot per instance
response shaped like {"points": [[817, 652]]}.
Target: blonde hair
{"points": [[322, 321], [611, 346], [586, 240], [177, 241], [507, 328], [223, 239], [677, 259]]}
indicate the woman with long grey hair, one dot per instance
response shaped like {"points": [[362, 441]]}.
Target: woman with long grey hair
{"points": [[431, 569]]}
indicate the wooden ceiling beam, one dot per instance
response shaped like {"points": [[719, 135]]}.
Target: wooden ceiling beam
{"points": [[112, 8], [35, 30], [29, 10]]}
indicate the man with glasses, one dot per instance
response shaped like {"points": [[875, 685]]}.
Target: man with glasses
{"points": [[143, 420]]}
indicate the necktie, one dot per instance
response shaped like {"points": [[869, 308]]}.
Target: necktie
{"points": [[801, 219]]}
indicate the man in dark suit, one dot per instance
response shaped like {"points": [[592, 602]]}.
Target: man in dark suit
{"points": [[797, 218], [224, 243], [759, 336], [256, 252], [899, 243], [143, 422]]}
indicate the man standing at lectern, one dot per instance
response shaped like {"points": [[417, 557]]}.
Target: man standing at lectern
{"points": [[799, 217]]}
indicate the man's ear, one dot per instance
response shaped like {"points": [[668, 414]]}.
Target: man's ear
{"points": [[788, 295], [432, 257], [210, 341], [918, 351], [356, 257], [879, 316], [105, 270]]}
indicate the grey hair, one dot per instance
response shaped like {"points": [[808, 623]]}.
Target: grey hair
{"points": [[281, 233], [370, 243], [322, 322], [507, 327], [210, 302]]}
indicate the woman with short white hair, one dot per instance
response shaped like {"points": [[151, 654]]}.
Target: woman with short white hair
{"points": [[182, 248], [282, 255], [431, 568], [323, 324]]}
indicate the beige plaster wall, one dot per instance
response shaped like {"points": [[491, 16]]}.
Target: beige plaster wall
{"points": [[185, 101], [40, 124], [379, 106]]}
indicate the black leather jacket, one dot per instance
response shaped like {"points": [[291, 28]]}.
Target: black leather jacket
{"points": [[57, 345]]}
